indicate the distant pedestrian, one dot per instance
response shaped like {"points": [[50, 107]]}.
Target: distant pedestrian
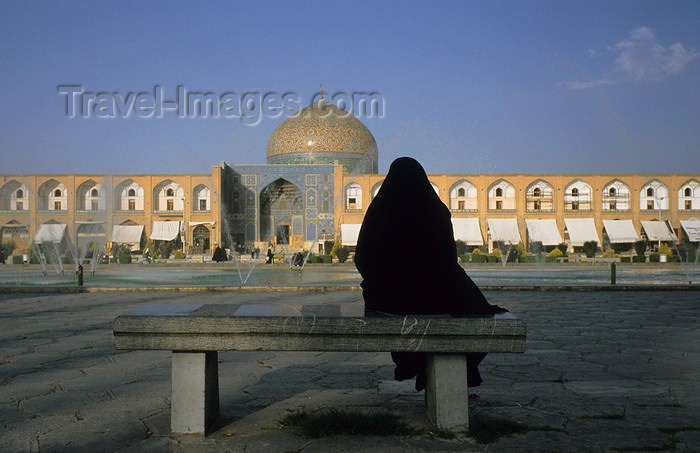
{"points": [[219, 254]]}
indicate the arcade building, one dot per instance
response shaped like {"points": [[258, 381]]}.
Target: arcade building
{"points": [[321, 175]]}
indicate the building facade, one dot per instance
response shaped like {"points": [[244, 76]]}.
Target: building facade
{"points": [[320, 177], [98, 207], [544, 208]]}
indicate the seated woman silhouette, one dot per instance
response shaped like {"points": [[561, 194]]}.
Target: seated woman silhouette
{"points": [[407, 257]]}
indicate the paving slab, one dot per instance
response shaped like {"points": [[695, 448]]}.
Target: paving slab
{"points": [[603, 371]]}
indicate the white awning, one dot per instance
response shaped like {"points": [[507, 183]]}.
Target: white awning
{"points": [[544, 231], [657, 230], [202, 223], [53, 232], [165, 231], [468, 230], [349, 233], [581, 230], [620, 231], [504, 230], [127, 234], [692, 229], [89, 222]]}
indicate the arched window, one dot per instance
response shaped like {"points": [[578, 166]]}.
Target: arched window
{"points": [[539, 196], [353, 196], [617, 196], [689, 196], [52, 196], [129, 196], [654, 195], [463, 196], [578, 196], [168, 195], [375, 189], [88, 196], [13, 196], [501, 195], [201, 197]]}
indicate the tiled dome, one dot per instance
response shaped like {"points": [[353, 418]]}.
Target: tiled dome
{"points": [[322, 133]]}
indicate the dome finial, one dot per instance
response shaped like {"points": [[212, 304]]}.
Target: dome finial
{"points": [[321, 92]]}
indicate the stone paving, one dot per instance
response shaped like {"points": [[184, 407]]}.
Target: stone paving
{"points": [[604, 371]]}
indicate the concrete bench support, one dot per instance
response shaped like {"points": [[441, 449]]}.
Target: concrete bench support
{"points": [[195, 392], [194, 333], [446, 392]]}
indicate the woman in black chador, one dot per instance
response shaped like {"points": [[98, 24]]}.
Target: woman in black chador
{"points": [[407, 257]]}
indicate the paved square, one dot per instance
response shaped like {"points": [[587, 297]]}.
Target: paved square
{"points": [[609, 370]]}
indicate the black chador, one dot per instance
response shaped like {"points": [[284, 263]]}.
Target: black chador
{"points": [[407, 257]]}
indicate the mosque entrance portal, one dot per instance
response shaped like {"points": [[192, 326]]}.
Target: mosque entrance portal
{"points": [[283, 234], [281, 210]]}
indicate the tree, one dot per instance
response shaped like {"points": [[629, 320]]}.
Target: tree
{"points": [[589, 248], [123, 253], [461, 247], [342, 253], [8, 248], [563, 247], [664, 249], [536, 247]]}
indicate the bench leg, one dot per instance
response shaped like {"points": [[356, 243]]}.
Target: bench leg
{"points": [[195, 392], [446, 392]]}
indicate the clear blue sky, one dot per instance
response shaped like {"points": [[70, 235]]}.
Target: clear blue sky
{"points": [[469, 87]]}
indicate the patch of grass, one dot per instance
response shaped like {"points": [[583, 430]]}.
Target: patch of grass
{"points": [[329, 422], [294, 419], [673, 404], [676, 430], [669, 445], [603, 416], [443, 433], [485, 429]]}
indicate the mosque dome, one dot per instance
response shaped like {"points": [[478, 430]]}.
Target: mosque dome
{"points": [[324, 134]]}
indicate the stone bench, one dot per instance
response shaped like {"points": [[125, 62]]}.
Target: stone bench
{"points": [[194, 334]]}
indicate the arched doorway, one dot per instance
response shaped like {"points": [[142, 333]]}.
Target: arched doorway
{"points": [[200, 240], [281, 213]]}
